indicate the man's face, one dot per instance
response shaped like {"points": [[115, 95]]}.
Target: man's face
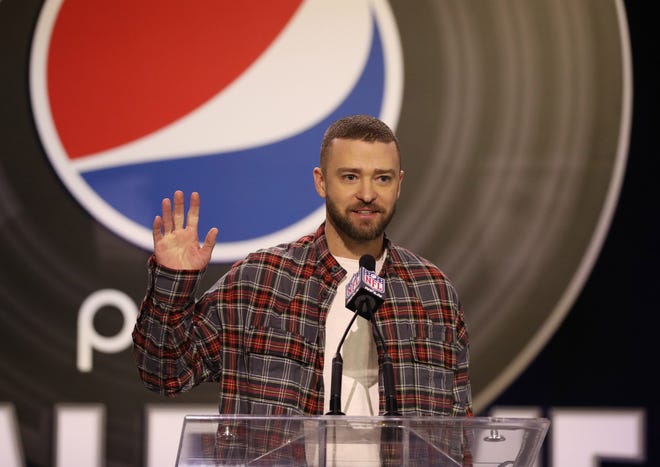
{"points": [[361, 184]]}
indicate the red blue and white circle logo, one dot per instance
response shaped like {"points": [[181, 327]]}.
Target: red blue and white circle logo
{"points": [[133, 100]]}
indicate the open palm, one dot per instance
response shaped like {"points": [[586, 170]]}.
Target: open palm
{"points": [[176, 243]]}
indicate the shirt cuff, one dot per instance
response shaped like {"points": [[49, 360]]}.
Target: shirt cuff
{"points": [[172, 288]]}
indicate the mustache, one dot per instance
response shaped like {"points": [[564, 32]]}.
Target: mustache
{"points": [[366, 206]]}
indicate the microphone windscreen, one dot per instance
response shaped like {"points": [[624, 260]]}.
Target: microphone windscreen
{"points": [[368, 262]]}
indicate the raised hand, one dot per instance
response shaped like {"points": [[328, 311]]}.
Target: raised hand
{"points": [[177, 246]]}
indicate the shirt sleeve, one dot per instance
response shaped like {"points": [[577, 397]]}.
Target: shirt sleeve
{"points": [[462, 388], [176, 338]]}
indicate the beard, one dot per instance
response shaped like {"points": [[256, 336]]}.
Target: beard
{"points": [[363, 231]]}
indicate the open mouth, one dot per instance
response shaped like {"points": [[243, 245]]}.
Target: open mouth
{"points": [[365, 214]]}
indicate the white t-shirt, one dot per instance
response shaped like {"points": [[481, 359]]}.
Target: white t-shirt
{"points": [[359, 387]]}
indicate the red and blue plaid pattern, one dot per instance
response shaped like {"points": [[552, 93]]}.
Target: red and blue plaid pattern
{"points": [[260, 332]]}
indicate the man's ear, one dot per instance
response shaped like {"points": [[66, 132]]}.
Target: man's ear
{"points": [[319, 182]]}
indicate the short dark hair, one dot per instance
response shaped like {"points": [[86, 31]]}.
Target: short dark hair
{"points": [[357, 127]]}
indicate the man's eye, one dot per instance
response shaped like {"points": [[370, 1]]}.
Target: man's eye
{"points": [[350, 177], [384, 178]]}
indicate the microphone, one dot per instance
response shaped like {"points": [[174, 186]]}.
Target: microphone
{"points": [[364, 291], [369, 297], [364, 294]]}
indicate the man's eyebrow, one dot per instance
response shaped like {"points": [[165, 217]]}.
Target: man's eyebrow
{"points": [[386, 171], [356, 169]]}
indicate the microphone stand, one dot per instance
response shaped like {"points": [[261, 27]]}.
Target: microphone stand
{"points": [[390, 435], [389, 388], [337, 370]]}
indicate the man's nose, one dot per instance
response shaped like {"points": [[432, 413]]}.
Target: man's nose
{"points": [[366, 192]]}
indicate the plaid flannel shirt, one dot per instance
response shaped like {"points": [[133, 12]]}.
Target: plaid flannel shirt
{"points": [[260, 332]]}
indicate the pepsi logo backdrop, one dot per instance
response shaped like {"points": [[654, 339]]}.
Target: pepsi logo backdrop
{"points": [[521, 125], [236, 120]]}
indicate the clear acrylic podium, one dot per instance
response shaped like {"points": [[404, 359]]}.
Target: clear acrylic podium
{"points": [[332, 440]]}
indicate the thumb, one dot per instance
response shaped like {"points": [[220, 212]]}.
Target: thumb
{"points": [[209, 241]]}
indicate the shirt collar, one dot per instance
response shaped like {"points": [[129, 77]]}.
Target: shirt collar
{"points": [[328, 261]]}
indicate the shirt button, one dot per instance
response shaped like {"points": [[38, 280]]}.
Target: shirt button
{"points": [[324, 293], [334, 268]]}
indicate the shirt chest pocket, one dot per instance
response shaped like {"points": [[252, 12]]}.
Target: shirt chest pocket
{"points": [[280, 369], [440, 354]]}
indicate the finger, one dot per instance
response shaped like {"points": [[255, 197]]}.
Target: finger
{"points": [[193, 212], [178, 209], [209, 241], [157, 229], [166, 207]]}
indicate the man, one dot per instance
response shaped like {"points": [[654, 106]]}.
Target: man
{"points": [[267, 330]]}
